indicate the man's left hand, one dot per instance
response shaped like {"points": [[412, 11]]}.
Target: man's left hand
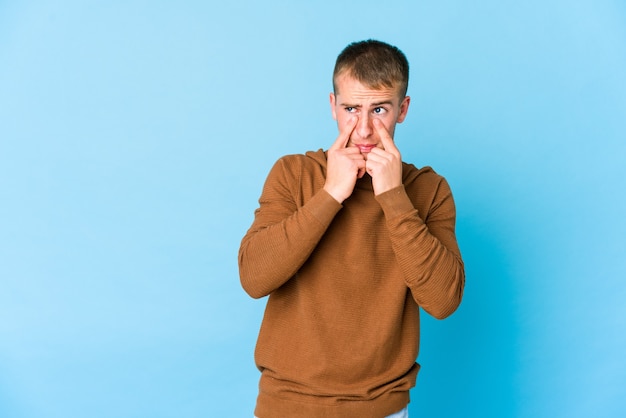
{"points": [[384, 165]]}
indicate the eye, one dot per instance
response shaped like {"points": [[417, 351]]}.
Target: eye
{"points": [[379, 110], [350, 109]]}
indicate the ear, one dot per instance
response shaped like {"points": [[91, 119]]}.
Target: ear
{"points": [[404, 109], [333, 101]]}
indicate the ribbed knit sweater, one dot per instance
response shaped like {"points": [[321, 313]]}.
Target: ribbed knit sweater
{"points": [[340, 334]]}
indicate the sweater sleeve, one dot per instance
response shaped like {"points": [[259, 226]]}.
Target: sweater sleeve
{"points": [[284, 232], [426, 249]]}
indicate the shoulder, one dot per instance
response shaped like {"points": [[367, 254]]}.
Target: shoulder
{"points": [[425, 187], [299, 176], [295, 168], [298, 164], [421, 176]]}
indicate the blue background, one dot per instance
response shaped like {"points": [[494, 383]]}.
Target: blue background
{"points": [[135, 137]]}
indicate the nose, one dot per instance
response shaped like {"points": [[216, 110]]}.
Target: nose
{"points": [[364, 126]]}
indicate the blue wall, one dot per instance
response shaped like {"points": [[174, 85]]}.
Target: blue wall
{"points": [[134, 141]]}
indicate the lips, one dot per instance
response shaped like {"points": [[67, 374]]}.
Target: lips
{"points": [[365, 148]]}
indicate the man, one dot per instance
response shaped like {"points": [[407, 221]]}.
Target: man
{"points": [[348, 244]]}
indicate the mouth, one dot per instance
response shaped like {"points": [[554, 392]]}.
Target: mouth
{"points": [[365, 148]]}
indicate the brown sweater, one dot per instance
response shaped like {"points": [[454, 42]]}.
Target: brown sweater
{"points": [[340, 334]]}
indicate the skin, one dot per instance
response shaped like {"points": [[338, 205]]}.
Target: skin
{"points": [[366, 119]]}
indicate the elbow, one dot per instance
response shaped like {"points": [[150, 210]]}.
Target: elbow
{"points": [[445, 310], [260, 276], [443, 313], [251, 282], [451, 298], [249, 279], [251, 288]]}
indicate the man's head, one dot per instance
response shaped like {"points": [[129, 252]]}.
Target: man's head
{"points": [[370, 82], [374, 64]]}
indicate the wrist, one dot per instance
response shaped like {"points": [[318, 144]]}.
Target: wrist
{"points": [[339, 197]]}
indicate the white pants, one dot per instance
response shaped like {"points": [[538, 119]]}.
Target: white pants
{"points": [[400, 414]]}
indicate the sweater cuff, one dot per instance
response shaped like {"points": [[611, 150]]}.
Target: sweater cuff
{"points": [[323, 207], [395, 202]]}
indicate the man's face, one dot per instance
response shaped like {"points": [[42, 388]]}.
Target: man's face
{"points": [[355, 100]]}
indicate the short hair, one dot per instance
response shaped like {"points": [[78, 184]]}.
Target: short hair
{"points": [[375, 64]]}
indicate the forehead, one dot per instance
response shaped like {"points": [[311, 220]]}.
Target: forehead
{"points": [[352, 90]]}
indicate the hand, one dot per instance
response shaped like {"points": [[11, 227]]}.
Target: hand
{"points": [[345, 165], [384, 165]]}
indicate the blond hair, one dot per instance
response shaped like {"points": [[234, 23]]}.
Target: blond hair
{"points": [[375, 64]]}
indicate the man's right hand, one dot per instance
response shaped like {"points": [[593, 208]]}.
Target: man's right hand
{"points": [[344, 166]]}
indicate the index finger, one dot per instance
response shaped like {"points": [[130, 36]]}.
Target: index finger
{"points": [[385, 138], [344, 136]]}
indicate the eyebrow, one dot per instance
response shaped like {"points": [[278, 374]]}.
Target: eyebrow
{"points": [[377, 104]]}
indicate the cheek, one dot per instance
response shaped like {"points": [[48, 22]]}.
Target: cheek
{"points": [[345, 120], [389, 122], [341, 118]]}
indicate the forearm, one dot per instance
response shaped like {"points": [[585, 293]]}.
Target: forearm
{"points": [[433, 272], [427, 253], [272, 252]]}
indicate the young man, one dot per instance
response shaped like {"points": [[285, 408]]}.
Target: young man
{"points": [[348, 244]]}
